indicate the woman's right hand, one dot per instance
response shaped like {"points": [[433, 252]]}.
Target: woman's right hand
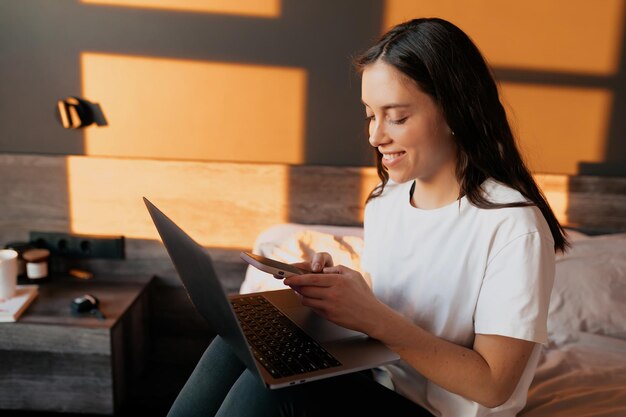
{"points": [[318, 262]]}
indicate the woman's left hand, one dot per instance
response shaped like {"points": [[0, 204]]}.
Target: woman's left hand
{"points": [[339, 294]]}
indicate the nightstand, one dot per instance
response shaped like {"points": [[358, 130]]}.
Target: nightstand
{"points": [[51, 360]]}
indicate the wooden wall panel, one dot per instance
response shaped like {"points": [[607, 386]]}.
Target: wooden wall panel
{"points": [[219, 204], [33, 195]]}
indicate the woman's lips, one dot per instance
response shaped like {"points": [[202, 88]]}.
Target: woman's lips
{"points": [[392, 159]]}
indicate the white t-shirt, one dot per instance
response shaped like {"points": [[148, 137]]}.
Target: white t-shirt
{"points": [[458, 272]]}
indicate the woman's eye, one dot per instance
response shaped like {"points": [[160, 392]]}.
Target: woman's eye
{"points": [[395, 122], [398, 121]]}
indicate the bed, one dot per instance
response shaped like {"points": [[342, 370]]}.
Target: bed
{"points": [[582, 369]]}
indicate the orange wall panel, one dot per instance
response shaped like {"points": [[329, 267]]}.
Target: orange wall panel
{"points": [[195, 110], [219, 204], [558, 127], [577, 36]]}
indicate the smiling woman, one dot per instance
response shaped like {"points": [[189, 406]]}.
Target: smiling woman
{"points": [[458, 259]]}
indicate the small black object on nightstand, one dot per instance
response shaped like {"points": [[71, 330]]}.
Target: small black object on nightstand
{"points": [[87, 304]]}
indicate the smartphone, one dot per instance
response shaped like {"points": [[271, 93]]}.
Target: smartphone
{"points": [[271, 266]]}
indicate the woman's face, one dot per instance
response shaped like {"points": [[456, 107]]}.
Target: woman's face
{"points": [[406, 125]]}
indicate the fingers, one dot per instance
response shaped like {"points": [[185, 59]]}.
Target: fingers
{"points": [[311, 291], [318, 280], [318, 305], [317, 263], [321, 260], [325, 278], [337, 269]]}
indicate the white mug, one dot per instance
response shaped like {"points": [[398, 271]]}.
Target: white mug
{"points": [[8, 273]]}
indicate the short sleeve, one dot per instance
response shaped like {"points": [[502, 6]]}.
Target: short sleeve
{"points": [[515, 294]]}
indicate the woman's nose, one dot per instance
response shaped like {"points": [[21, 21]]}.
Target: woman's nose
{"points": [[377, 135]]}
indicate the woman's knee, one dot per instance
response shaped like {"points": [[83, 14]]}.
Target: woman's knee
{"points": [[220, 355], [249, 396], [217, 370]]}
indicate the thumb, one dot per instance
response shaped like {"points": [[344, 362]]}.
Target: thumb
{"points": [[317, 263]]}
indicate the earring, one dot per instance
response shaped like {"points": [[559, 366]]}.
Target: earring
{"points": [[452, 132]]}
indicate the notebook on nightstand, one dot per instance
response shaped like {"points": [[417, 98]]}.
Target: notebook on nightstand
{"points": [[11, 309]]}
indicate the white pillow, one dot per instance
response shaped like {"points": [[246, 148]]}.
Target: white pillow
{"points": [[589, 293]]}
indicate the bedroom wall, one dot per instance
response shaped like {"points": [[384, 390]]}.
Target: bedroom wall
{"points": [[208, 101], [270, 81]]}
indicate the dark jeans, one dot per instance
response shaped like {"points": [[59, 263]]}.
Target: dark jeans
{"points": [[220, 385]]}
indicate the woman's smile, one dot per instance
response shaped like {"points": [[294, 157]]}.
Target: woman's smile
{"points": [[392, 159]]}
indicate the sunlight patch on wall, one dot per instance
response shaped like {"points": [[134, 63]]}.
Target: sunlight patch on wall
{"points": [[556, 190], [195, 110], [558, 127], [576, 36], [257, 8], [218, 204], [369, 180]]}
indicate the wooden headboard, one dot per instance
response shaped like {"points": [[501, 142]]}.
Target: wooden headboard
{"points": [[327, 195]]}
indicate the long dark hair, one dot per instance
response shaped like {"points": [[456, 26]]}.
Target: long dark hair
{"points": [[447, 65]]}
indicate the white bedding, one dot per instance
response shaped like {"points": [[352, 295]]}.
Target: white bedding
{"points": [[585, 377], [581, 372]]}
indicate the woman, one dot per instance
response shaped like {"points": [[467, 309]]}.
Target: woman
{"points": [[459, 252]]}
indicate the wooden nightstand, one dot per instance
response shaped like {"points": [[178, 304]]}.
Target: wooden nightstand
{"points": [[53, 361]]}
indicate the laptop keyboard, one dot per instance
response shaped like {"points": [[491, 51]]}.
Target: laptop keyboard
{"points": [[277, 342]]}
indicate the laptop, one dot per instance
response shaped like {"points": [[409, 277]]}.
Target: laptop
{"points": [[281, 341]]}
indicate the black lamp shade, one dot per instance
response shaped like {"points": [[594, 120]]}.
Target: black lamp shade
{"points": [[76, 112]]}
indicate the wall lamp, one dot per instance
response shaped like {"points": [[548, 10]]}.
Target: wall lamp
{"points": [[76, 112]]}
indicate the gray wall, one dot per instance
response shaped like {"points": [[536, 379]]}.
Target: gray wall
{"points": [[40, 42]]}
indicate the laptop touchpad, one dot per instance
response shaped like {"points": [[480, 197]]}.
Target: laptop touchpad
{"points": [[318, 327]]}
